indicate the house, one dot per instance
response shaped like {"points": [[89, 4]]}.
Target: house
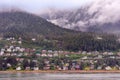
{"points": [[77, 67], [118, 53], [99, 57], [36, 68], [13, 54], [11, 47], [55, 54], [1, 38], [65, 66], [46, 61], [99, 38], [7, 54], [2, 49], [47, 67], [60, 51], [18, 68], [27, 68], [108, 68], [96, 52], [59, 68], [50, 51], [19, 42], [113, 57], [2, 52], [92, 67], [79, 52], [19, 55], [38, 54], [14, 41], [110, 53], [44, 51], [89, 53], [99, 68], [44, 55], [9, 65], [33, 39], [84, 52], [25, 54], [22, 49], [105, 53], [17, 48], [50, 55], [85, 57], [9, 50]]}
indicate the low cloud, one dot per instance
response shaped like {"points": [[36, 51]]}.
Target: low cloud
{"points": [[98, 12], [106, 11]]}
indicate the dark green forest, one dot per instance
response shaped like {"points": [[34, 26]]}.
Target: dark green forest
{"points": [[49, 36]]}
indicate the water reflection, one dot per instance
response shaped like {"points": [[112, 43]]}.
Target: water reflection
{"points": [[47, 76]]}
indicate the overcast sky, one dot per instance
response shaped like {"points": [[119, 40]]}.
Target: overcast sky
{"points": [[35, 5]]}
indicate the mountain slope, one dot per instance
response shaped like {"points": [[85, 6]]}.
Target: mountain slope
{"points": [[99, 16], [12, 23], [49, 36]]}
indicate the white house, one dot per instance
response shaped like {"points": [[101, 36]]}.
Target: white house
{"points": [[18, 68]]}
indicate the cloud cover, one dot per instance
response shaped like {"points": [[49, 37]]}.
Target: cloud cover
{"points": [[107, 11], [35, 5], [99, 12]]}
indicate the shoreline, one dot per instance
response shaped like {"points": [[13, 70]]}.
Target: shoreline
{"points": [[67, 72]]}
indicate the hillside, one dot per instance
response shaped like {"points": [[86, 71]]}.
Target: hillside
{"points": [[21, 23], [49, 36]]}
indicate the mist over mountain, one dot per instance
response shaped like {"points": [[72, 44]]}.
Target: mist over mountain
{"points": [[49, 36], [98, 16], [21, 23]]}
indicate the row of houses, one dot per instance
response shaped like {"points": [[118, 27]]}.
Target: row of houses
{"points": [[21, 51], [15, 63]]}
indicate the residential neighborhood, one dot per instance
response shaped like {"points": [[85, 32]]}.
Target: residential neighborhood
{"points": [[15, 57]]}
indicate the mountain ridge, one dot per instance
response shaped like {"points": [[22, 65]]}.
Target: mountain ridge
{"points": [[52, 37], [101, 18], [22, 22]]}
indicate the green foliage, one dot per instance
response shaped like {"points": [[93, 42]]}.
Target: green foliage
{"points": [[49, 36], [89, 42], [75, 56]]}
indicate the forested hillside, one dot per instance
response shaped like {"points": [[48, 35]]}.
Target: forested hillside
{"points": [[49, 36]]}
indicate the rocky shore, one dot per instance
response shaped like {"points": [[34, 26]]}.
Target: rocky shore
{"points": [[67, 71]]}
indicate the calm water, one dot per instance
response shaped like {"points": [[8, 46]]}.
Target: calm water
{"points": [[46, 76]]}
